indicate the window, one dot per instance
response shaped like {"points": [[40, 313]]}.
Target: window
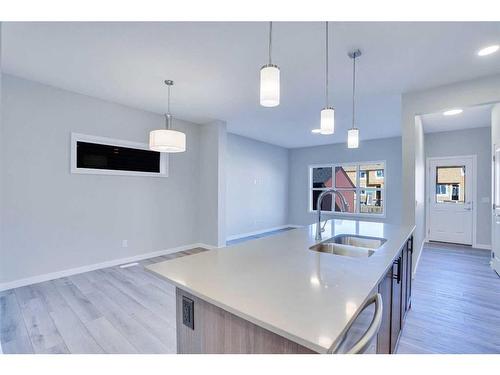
{"points": [[450, 184], [98, 155], [362, 185]]}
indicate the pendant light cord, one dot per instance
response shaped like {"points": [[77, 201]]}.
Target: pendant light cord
{"points": [[353, 88], [168, 115], [168, 100], [326, 66], [270, 40]]}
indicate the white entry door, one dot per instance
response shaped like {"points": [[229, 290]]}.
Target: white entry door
{"points": [[450, 199]]}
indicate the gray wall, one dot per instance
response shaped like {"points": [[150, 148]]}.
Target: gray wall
{"points": [[419, 189], [475, 141], [211, 213], [388, 149], [495, 126], [1, 155], [54, 220], [257, 191]]}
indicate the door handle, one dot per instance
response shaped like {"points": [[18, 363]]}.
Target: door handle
{"points": [[372, 331], [398, 276]]}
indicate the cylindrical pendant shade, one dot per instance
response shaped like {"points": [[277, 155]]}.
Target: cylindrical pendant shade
{"points": [[269, 86], [167, 140], [327, 124], [353, 138]]}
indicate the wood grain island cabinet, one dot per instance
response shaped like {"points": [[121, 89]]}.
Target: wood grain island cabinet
{"points": [[205, 328]]}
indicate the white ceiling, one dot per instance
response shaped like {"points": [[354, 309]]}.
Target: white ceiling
{"points": [[471, 117], [216, 68]]}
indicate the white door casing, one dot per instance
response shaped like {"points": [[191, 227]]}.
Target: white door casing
{"points": [[495, 241], [451, 201]]}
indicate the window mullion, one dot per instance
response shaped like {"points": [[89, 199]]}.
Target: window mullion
{"points": [[334, 177], [358, 190]]}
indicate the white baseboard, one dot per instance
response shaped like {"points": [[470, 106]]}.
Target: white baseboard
{"points": [[204, 245], [248, 234], [482, 246], [92, 267], [473, 246]]}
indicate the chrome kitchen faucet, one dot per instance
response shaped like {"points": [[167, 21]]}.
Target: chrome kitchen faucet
{"points": [[344, 208]]}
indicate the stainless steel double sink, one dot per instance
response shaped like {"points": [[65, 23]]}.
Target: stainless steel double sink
{"points": [[349, 245]]}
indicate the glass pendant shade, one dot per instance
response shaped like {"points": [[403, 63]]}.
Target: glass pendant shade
{"points": [[353, 138], [327, 124], [167, 140], [270, 86]]}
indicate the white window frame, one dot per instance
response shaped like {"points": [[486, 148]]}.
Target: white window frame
{"points": [[78, 137], [357, 189]]}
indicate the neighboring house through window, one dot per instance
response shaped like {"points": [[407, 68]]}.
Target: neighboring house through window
{"points": [[450, 184], [362, 184]]}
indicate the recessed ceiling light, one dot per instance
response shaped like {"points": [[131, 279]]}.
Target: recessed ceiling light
{"points": [[488, 50], [453, 112], [316, 131]]}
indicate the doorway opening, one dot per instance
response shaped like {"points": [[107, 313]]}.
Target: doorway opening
{"points": [[458, 178]]}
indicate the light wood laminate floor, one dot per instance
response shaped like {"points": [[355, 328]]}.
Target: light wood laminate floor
{"points": [[113, 310], [455, 309], [455, 303]]}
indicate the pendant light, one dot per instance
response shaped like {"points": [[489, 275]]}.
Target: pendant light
{"points": [[270, 79], [353, 133], [327, 123], [167, 140]]}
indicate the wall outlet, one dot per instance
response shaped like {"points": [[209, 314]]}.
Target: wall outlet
{"points": [[188, 312], [124, 243]]}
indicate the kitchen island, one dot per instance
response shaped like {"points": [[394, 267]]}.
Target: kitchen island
{"points": [[276, 295]]}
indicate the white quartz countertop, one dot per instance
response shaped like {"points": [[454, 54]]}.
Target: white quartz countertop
{"points": [[279, 284]]}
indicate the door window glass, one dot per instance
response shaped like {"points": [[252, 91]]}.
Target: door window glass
{"points": [[450, 184]]}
